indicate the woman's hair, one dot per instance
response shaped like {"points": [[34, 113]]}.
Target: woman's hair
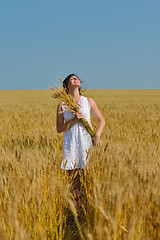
{"points": [[66, 80]]}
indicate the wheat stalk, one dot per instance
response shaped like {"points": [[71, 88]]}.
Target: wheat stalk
{"points": [[61, 94]]}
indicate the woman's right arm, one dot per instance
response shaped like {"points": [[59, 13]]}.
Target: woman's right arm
{"points": [[61, 124]]}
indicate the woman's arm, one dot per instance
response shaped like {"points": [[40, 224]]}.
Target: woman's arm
{"points": [[101, 122], [61, 124]]}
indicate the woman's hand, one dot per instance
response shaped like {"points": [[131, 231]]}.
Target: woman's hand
{"points": [[78, 115], [96, 140]]}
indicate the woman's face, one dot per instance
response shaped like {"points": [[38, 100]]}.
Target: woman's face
{"points": [[74, 81]]}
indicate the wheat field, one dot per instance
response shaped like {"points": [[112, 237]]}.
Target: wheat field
{"points": [[120, 188]]}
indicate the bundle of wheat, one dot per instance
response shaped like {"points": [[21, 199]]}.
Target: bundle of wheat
{"points": [[61, 94]]}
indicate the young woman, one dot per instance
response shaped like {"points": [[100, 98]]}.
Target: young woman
{"points": [[76, 140]]}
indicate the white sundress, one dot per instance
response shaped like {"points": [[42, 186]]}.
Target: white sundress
{"points": [[77, 140]]}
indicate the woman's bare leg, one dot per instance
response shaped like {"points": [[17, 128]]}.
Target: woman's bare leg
{"points": [[75, 185]]}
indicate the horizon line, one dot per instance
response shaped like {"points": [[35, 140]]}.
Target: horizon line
{"points": [[82, 89]]}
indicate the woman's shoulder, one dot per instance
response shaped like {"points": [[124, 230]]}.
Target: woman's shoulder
{"points": [[86, 98], [90, 100], [60, 105]]}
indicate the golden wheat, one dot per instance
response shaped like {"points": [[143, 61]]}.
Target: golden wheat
{"points": [[119, 188]]}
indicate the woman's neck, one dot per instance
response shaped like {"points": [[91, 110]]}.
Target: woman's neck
{"points": [[75, 94]]}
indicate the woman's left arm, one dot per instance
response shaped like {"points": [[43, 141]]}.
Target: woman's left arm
{"points": [[101, 122]]}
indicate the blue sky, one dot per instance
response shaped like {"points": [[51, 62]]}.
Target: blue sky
{"points": [[108, 44]]}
